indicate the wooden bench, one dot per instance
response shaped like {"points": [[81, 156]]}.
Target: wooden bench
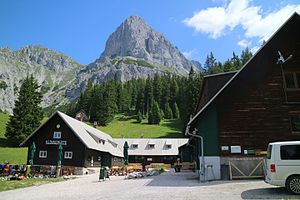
{"points": [[187, 165]]}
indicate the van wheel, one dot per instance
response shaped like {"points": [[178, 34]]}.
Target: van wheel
{"points": [[293, 184]]}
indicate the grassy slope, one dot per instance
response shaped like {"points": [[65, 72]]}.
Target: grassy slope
{"points": [[10, 185], [12, 155], [3, 120], [123, 126]]}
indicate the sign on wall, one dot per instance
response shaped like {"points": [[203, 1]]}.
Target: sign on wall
{"points": [[225, 148], [235, 149], [56, 142]]}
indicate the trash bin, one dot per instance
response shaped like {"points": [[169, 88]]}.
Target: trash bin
{"points": [[106, 175], [225, 172]]}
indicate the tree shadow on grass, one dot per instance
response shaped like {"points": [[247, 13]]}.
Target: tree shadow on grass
{"points": [[174, 124], [173, 135], [3, 142], [125, 118], [176, 127]]}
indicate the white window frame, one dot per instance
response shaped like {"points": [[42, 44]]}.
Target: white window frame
{"points": [[57, 135], [43, 154], [68, 155]]}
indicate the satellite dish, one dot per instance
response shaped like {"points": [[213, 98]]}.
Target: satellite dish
{"points": [[281, 60]]}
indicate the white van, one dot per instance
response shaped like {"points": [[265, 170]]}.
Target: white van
{"points": [[283, 165]]}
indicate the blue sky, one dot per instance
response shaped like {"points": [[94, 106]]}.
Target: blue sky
{"points": [[80, 28]]}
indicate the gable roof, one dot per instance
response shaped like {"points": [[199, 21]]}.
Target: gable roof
{"points": [[211, 85], [160, 146], [88, 135], [295, 16]]}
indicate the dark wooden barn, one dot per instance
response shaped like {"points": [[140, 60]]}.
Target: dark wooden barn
{"points": [[83, 145], [239, 113]]}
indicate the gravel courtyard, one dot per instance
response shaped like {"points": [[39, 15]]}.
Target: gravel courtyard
{"points": [[167, 186]]}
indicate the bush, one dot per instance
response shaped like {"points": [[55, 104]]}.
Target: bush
{"points": [[139, 117]]}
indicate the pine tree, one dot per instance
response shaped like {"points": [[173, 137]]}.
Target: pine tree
{"points": [[236, 61], [148, 100], [173, 91], [27, 113], [139, 117], [134, 93], [192, 72], [165, 91], [154, 116], [246, 55], [118, 88], [140, 97], [108, 105], [157, 88], [168, 112], [228, 66], [175, 111], [191, 97], [210, 61]]}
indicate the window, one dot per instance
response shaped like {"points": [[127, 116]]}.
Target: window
{"points": [[292, 80], [290, 152], [135, 146], [295, 123], [43, 154], [169, 146], [68, 154], [139, 158], [269, 152], [151, 145], [101, 141], [56, 135]]}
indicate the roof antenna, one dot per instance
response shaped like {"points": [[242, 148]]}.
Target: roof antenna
{"points": [[281, 60]]}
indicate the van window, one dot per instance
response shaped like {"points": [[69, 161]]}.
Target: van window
{"points": [[290, 152], [269, 152]]}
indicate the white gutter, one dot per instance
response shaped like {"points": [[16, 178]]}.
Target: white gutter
{"points": [[201, 161]]}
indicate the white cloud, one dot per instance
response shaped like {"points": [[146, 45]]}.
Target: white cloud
{"points": [[264, 27], [215, 21], [189, 54], [244, 43]]}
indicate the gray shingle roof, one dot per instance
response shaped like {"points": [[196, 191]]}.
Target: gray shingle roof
{"points": [[92, 137], [160, 145]]}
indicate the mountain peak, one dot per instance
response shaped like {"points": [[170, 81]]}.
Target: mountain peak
{"points": [[135, 38], [135, 23], [133, 19]]}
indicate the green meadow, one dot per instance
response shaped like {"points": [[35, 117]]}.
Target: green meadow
{"points": [[126, 126], [12, 155]]}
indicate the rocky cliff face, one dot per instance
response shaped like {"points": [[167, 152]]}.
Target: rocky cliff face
{"points": [[134, 37], [134, 50], [54, 72]]}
